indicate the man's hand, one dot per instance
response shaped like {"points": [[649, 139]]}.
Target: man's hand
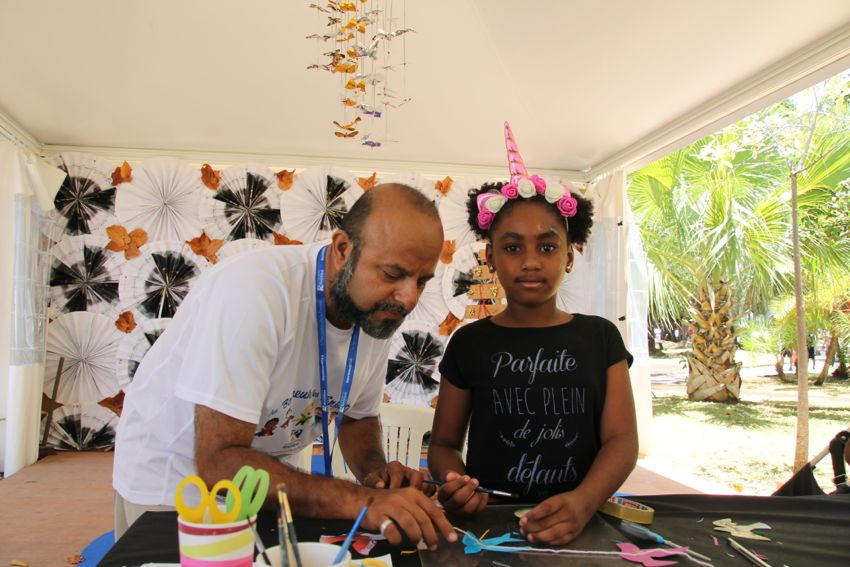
{"points": [[410, 514], [557, 520], [458, 496], [396, 475]]}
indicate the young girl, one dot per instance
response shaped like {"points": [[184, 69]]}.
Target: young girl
{"points": [[545, 394]]}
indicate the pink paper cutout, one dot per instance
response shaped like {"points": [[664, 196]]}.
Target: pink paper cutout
{"points": [[716, 543], [647, 557]]}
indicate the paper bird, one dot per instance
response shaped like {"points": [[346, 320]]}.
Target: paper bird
{"points": [[647, 557], [317, 36], [350, 126], [742, 531], [372, 144], [390, 35], [346, 134]]}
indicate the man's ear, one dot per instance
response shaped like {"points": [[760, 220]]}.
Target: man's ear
{"points": [[339, 250]]}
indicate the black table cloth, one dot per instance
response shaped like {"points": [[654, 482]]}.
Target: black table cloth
{"points": [[805, 531]]}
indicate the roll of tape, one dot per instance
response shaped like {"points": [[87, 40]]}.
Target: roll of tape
{"points": [[626, 509]]}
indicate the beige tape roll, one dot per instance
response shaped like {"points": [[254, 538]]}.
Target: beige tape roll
{"points": [[626, 509]]}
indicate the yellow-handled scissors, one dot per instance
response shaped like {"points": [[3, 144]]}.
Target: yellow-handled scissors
{"points": [[208, 509]]}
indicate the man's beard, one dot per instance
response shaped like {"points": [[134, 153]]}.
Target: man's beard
{"points": [[345, 307]]}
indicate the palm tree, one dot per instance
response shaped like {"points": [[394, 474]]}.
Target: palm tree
{"points": [[715, 227]]}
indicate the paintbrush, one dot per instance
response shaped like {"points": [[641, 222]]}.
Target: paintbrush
{"points": [[259, 543], [286, 531], [347, 543], [479, 489]]}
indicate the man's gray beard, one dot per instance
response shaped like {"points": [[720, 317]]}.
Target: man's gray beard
{"points": [[346, 308]]}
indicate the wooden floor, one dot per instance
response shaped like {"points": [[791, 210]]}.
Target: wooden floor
{"points": [[54, 508]]}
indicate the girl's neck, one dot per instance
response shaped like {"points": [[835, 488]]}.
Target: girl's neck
{"points": [[544, 315]]}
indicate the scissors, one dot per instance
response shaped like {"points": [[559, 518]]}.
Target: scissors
{"points": [[208, 508], [253, 486]]}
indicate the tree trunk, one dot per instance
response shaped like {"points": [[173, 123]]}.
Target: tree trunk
{"points": [[713, 374], [801, 446], [830, 354]]}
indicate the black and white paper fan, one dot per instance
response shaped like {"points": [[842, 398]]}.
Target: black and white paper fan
{"points": [[317, 202], [84, 275], [155, 283], [85, 202], [82, 427], [88, 342], [133, 347], [245, 205], [453, 211], [412, 373], [236, 247], [163, 199], [460, 277]]}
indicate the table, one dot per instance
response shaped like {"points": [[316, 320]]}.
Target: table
{"points": [[806, 530]]}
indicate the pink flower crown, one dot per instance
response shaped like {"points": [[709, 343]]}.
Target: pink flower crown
{"points": [[522, 185], [490, 203]]}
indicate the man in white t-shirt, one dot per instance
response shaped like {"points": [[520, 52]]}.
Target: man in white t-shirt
{"points": [[234, 379]]}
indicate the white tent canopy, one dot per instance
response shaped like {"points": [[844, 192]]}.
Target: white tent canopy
{"points": [[591, 88]]}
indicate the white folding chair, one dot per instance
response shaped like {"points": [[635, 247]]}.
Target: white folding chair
{"points": [[403, 427]]}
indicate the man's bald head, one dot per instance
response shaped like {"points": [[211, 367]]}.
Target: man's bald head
{"points": [[387, 198]]}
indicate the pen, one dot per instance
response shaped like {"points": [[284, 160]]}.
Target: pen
{"points": [[479, 489], [754, 559]]}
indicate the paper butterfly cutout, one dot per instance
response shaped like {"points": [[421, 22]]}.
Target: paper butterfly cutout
{"points": [[474, 545], [362, 542], [647, 557], [742, 531]]}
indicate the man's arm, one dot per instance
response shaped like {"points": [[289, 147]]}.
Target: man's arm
{"points": [[223, 445]]}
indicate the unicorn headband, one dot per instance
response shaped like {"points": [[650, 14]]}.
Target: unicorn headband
{"points": [[522, 185]]}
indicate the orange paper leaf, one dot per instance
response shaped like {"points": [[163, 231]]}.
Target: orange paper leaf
{"points": [[122, 174], [368, 182], [285, 179], [210, 176], [444, 186], [74, 559], [280, 239], [205, 246], [448, 251], [449, 324], [126, 322], [114, 404], [122, 241]]}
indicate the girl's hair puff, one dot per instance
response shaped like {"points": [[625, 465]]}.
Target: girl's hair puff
{"points": [[578, 227]]}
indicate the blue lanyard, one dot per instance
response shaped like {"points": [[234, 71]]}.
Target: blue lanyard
{"points": [[351, 361]]}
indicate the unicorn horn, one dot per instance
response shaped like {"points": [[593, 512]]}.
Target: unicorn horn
{"points": [[515, 163]]}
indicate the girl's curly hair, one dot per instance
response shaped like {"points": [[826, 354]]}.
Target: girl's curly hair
{"points": [[578, 227]]}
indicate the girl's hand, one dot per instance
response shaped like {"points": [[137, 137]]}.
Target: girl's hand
{"points": [[458, 496], [557, 520]]}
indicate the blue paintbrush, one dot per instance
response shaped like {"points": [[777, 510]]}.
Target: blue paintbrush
{"points": [[347, 543]]}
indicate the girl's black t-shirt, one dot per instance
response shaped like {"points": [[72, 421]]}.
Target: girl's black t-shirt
{"points": [[537, 399]]}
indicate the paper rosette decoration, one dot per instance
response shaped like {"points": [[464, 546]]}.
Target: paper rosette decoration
{"points": [[245, 205], [236, 247], [317, 202], [88, 342], [460, 277], [163, 199], [86, 200], [453, 209], [157, 282], [84, 275], [133, 347], [82, 427], [412, 374]]}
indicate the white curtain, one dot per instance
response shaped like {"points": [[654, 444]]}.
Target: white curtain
{"points": [[27, 186], [619, 287]]}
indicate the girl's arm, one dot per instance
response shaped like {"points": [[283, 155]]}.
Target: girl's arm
{"points": [[445, 461], [561, 518]]}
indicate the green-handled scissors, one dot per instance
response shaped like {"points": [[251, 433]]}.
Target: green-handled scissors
{"points": [[253, 484], [208, 509]]}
